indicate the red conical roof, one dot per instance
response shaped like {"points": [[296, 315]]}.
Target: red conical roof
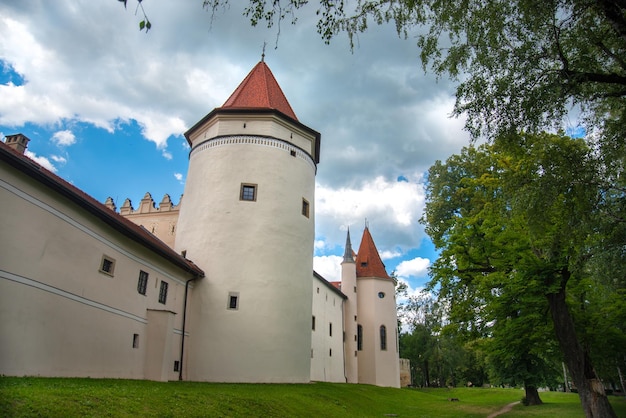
{"points": [[260, 90], [368, 262]]}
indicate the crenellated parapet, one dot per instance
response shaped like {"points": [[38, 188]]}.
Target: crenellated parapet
{"points": [[146, 205], [161, 220]]}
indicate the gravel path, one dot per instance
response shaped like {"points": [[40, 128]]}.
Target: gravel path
{"points": [[504, 410]]}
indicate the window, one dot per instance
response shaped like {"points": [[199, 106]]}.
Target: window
{"points": [[330, 329], [381, 294], [330, 352], [313, 322], [383, 337], [233, 301], [142, 283], [248, 192], [305, 207], [135, 340], [107, 265], [163, 292], [359, 337], [176, 365]]}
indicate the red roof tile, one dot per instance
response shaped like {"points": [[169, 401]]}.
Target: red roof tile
{"points": [[260, 90], [368, 262]]}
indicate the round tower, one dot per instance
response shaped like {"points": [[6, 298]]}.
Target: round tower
{"points": [[248, 222], [379, 358]]}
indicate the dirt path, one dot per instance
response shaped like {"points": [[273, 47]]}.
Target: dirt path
{"points": [[504, 410]]}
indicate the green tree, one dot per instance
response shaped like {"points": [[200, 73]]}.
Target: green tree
{"points": [[516, 222]]}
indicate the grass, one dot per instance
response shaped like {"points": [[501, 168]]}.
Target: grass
{"points": [[60, 397]]}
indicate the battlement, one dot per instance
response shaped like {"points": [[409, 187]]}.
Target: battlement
{"points": [[146, 205], [160, 221]]}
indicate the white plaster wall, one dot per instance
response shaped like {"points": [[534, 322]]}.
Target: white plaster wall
{"points": [[376, 366], [262, 250], [327, 357], [60, 316], [351, 320]]}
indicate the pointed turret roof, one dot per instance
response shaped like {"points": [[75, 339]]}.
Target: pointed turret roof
{"points": [[260, 90], [348, 255], [368, 262]]}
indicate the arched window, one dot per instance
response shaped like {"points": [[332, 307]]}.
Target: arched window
{"points": [[383, 337]]}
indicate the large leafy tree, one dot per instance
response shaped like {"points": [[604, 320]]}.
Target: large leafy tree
{"points": [[517, 223]]}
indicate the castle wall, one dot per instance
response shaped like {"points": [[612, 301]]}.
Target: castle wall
{"points": [[60, 314], [327, 354]]}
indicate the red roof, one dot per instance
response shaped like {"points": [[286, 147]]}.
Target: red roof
{"points": [[368, 262], [260, 90]]}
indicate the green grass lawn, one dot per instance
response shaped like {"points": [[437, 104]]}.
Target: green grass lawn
{"points": [[57, 397]]}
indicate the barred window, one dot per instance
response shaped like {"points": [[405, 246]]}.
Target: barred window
{"points": [[142, 282]]}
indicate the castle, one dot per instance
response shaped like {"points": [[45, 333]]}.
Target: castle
{"points": [[218, 288]]}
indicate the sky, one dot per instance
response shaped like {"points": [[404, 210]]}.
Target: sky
{"points": [[106, 106]]}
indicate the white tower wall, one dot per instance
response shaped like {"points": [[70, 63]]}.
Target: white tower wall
{"points": [[258, 251]]}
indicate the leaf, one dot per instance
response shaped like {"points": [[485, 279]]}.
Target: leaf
{"points": [[142, 24]]}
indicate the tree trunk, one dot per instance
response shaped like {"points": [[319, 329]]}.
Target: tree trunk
{"points": [[532, 395], [565, 379], [590, 389], [426, 374], [621, 380]]}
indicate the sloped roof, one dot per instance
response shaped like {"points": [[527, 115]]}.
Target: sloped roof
{"points": [[368, 262], [260, 90], [92, 206]]}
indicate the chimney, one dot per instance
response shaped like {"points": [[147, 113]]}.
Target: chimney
{"points": [[18, 142]]}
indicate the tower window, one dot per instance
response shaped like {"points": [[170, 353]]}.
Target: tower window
{"points": [[305, 207], [163, 292], [330, 329], [248, 192], [135, 340], [359, 337], [142, 282], [107, 265], [233, 301], [313, 323], [383, 337]]}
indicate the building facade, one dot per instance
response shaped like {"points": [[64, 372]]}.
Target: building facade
{"points": [[217, 288]]}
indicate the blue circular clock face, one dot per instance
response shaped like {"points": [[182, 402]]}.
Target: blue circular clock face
{"points": [[381, 294]]}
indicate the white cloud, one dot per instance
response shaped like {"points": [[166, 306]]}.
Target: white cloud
{"points": [[58, 159], [417, 267], [391, 208], [64, 138], [179, 177], [329, 267], [42, 161]]}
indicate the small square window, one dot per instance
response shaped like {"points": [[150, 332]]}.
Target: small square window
{"points": [[233, 301], [305, 207], [107, 265], [163, 292], [142, 282], [248, 192]]}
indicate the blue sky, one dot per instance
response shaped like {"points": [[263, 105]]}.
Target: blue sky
{"points": [[105, 107]]}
